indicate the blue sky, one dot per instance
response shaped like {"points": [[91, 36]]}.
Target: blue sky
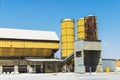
{"points": [[46, 15]]}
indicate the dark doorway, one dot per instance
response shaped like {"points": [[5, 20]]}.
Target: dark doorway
{"points": [[39, 69], [91, 60], [22, 69], [8, 69]]}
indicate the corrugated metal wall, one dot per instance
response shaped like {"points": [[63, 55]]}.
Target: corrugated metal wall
{"points": [[67, 37], [110, 63], [24, 48]]}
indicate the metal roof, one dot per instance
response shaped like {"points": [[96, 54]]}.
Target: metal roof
{"points": [[90, 15], [80, 18], [44, 59], [109, 59], [27, 34]]}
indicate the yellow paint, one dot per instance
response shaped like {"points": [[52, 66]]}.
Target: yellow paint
{"points": [[80, 22], [64, 53], [81, 29], [7, 52], [27, 48], [69, 24], [81, 35], [70, 46], [28, 44], [68, 32], [64, 46], [118, 63], [107, 69], [67, 52], [67, 37]]}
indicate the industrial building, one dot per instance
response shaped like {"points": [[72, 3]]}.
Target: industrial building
{"points": [[32, 51], [84, 54], [28, 50], [118, 65], [109, 65]]}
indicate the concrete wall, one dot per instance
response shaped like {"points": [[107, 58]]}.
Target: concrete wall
{"points": [[89, 57], [92, 45]]}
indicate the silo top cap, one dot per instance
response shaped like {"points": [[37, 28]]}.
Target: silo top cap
{"points": [[80, 18], [67, 19], [90, 15]]}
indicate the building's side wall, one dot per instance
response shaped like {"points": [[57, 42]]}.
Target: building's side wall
{"points": [[25, 66], [87, 55], [18, 48], [92, 45], [118, 63], [107, 63], [79, 57]]}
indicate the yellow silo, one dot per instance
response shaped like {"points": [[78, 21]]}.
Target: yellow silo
{"points": [[67, 37], [80, 29]]}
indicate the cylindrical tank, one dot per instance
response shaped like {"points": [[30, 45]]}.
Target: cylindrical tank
{"points": [[80, 29], [67, 37], [87, 28], [91, 27]]}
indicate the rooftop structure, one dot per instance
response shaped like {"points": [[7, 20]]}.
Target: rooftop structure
{"points": [[27, 34], [27, 43]]}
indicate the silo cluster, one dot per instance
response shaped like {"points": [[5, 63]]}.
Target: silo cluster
{"points": [[86, 30]]}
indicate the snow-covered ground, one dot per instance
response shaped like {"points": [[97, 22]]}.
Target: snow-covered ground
{"points": [[62, 76]]}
